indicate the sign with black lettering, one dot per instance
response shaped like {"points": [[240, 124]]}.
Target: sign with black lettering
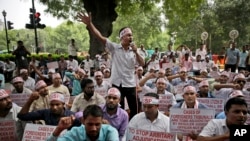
{"points": [[239, 132]]}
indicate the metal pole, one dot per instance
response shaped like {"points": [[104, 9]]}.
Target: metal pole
{"points": [[6, 31], [36, 42]]}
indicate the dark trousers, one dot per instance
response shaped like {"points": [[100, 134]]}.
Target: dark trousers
{"points": [[132, 99], [229, 66]]}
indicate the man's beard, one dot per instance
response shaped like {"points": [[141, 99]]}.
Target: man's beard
{"points": [[111, 107]]}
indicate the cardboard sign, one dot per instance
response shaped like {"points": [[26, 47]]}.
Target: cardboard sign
{"points": [[38, 132], [8, 130], [165, 101], [19, 99], [144, 135], [179, 89], [214, 74], [189, 120], [217, 104], [52, 65], [167, 65]]}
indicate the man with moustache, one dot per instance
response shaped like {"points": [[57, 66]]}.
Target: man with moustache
{"points": [[87, 97], [18, 85], [116, 116], [50, 116], [124, 59], [218, 129], [9, 111]]}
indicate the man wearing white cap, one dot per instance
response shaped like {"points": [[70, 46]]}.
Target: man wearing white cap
{"points": [[9, 111], [106, 75], [204, 90], [116, 116], [29, 82], [57, 86], [151, 119], [18, 82], [76, 79], [209, 63], [43, 101], [101, 87], [52, 115], [124, 59]]}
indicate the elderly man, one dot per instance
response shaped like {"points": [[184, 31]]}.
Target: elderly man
{"points": [[218, 129], [91, 129], [87, 97], [151, 119], [29, 82], [18, 85], [9, 111], [52, 115], [101, 87]]}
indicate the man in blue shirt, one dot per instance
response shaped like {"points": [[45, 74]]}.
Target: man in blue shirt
{"points": [[91, 130]]}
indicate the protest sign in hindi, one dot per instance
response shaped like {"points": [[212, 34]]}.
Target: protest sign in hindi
{"points": [[52, 65], [144, 135], [217, 104], [19, 99], [8, 130], [189, 120]]}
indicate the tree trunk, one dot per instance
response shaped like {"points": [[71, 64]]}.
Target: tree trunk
{"points": [[103, 14]]}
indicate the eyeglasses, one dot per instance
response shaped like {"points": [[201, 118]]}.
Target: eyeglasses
{"points": [[241, 81]]}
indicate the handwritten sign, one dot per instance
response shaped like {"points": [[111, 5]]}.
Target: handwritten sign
{"points": [[19, 99], [144, 135], [52, 65], [214, 74], [165, 101], [189, 120], [8, 130], [179, 89], [167, 65], [213, 103], [37, 132]]}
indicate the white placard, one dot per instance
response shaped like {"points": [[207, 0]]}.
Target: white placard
{"points": [[52, 65], [189, 120], [8, 130], [19, 99], [179, 89], [167, 65], [217, 104], [144, 135], [38, 132]]}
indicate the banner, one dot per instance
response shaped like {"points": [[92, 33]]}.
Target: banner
{"points": [[133, 134]]}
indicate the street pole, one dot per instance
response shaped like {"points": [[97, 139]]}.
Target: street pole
{"points": [[35, 28], [6, 31]]}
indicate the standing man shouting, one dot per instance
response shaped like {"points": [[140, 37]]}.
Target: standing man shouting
{"points": [[124, 58]]}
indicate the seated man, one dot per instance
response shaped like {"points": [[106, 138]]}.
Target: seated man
{"points": [[9, 110], [50, 116], [151, 119], [91, 129], [218, 129]]}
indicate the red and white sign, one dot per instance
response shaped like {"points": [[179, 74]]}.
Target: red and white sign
{"points": [[37, 132], [144, 135], [8, 130], [165, 101], [189, 120], [19, 99], [213, 103]]}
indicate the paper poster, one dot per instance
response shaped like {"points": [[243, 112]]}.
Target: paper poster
{"points": [[19, 99], [38, 132], [179, 89], [52, 65], [165, 101], [144, 135], [8, 130], [189, 120], [217, 104], [167, 65]]}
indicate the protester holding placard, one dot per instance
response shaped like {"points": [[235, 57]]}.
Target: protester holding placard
{"points": [[19, 88], [151, 119], [91, 128], [9, 111], [190, 101], [218, 129], [52, 115]]}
